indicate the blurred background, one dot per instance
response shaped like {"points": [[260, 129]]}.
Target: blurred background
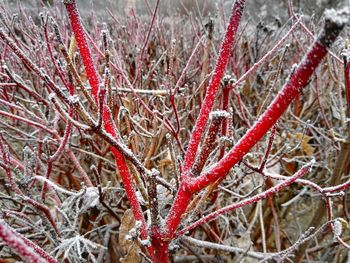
{"points": [[256, 9]]}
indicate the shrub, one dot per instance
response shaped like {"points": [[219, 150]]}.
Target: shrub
{"points": [[117, 137]]}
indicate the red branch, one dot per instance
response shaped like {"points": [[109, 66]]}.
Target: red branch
{"points": [[347, 82], [83, 46], [250, 200], [23, 246], [93, 78], [297, 81], [222, 60]]}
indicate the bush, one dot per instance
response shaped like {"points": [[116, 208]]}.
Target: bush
{"points": [[146, 139]]}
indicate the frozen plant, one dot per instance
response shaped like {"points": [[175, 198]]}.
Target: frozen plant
{"points": [[129, 139]]}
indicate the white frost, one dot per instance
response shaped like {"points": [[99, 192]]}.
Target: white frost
{"points": [[219, 113], [91, 197], [338, 228], [340, 17]]}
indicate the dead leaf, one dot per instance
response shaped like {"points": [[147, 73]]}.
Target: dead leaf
{"points": [[133, 255], [304, 140], [305, 146], [126, 103], [130, 248], [290, 167], [166, 161], [246, 90]]}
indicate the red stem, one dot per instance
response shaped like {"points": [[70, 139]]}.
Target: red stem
{"points": [[93, 78], [161, 247], [250, 200], [150, 29], [83, 46], [182, 199], [207, 105], [297, 81], [5, 155], [347, 83], [23, 246]]}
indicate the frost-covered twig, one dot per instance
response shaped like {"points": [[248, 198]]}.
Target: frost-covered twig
{"points": [[53, 185], [297, 81], [250, 200], [236, 250], [108, 122], [222, 60], [23, 246], [267, 56], [291, 89]]}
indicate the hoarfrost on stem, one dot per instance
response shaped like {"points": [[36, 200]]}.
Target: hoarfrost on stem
{"points": [[339, 17]]}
